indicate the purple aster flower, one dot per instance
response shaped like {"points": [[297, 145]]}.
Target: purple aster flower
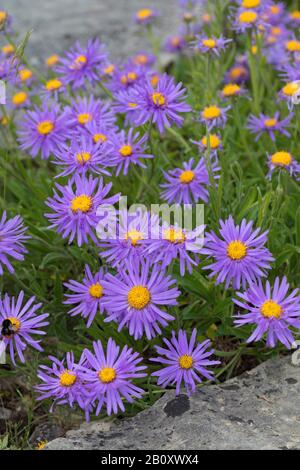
{"points": [[268, 124], [175, 44], [81, 64], [5, 21], [75, 207], [135, 296], [272, 310], [8, 70], [127, 76], [128, 239], [294, 18], [161, 104], [101, 133], [61, 382], [212, 45], [283, 160], [85, 111], [25, 76], [232, 90], [176, 243], [12, 237], [215, 144], [146, 16], [20, 99], [108, 376], [125, 102], [43, 130], [275, 13], [144, 59], [52, 88], [290, 93], [81, 156], [19, 322], [239, 255], [186, 362], [247, 19], [127, 149], [189, 184], [214, 116], [239, 73], [87, 295]]}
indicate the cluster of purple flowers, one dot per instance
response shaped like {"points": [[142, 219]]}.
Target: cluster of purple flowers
{"points": [[91, 140]]}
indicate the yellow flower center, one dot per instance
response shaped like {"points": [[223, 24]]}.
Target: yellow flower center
{"points": [[251, 3], [210, 43], [19, 98], [144, 13], [295, 15], [174, 235], [84, 118], [214, 141], [67, 378], [141, 59], [99, 138], [53, 84], [293, 46], [158, 99], [248, 17], [175, 41], [45, 127], [83, 157], [109, 70], [154, 80], [236, 250], [4, 121], [274, 9], [270, 122], [80, 61], [254, 49], [3, 16], [41, 445], [281, 158], [231, 89], [16, 323], [81, 203], [134, 236], [206, 18], [211, 112], [291, 89], [107, 375], [52, 60], [276, 31], [138, 297], [187, 177], [96, 290], [132, 76], [126, 150], [271, 309], [8, 49], [236, 72], [186, 362], [25, 74]]}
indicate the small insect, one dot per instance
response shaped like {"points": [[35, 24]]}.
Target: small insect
{"points": [[7, 328]]}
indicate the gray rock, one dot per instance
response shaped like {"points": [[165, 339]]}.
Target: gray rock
{"points": [[258, 410], [57, 24], [5, 414]]}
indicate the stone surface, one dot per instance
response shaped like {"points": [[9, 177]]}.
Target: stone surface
{"points": [[57, 24], [258, 410]]}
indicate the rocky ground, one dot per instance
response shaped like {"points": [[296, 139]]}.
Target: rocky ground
{"points": [[57, 24], [258, 410]]}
